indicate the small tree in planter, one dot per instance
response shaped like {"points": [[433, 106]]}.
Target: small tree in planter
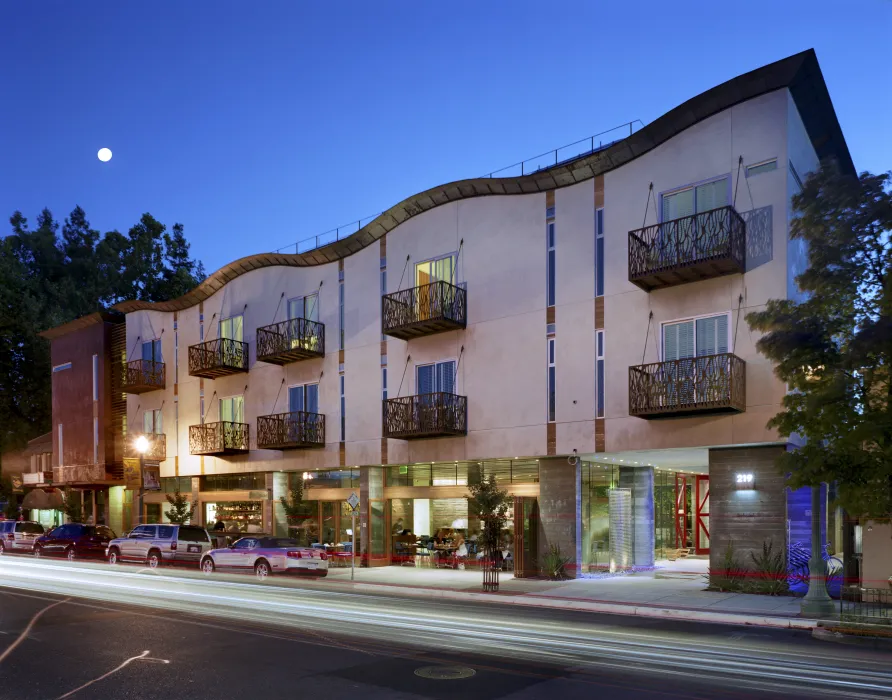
{"points": [[181, 509], [491, 505], [71, 506], [293, 508]]}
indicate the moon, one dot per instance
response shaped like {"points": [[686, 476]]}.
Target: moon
{"points": [[104, 154]]}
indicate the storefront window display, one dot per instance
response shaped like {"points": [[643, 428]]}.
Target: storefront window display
{"points": [[237, 516], [597, 480]]}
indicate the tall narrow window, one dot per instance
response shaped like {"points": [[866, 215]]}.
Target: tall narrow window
{"points": [[599, 252], [341, 314], [95, 439], [551, 381], [96, 377], [384, 383], [383, 288], [303, 398], [232, 409], [550, 271], [343, 412], [61, 447], [599, 413]]}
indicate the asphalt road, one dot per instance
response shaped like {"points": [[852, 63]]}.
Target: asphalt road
{"points": [[90, 631]]}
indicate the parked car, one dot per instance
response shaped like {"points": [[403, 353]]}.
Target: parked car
{"points": [[266, 556], [18, 536], [160, 544], [74, 541]]}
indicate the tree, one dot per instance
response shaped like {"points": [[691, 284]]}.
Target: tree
{"points": [[71, 505], [833, 348], [181, 509], [490, 503], [294, 507]]}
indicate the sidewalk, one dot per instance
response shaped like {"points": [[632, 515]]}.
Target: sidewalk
{"points": [[674, 590]]}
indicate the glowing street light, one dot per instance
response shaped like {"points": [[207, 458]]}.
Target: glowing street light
{"points": [[142, 444]]}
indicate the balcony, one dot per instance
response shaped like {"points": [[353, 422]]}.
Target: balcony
{"points": [[223, 438], [425, 310], [290, 341], [705, 245], [425, 416], [85, 474], [37, 478], [291, 431], [141, 376], [692, 386], [218, 358], [156, 452]]}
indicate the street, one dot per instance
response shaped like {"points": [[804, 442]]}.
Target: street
{"points": [[91, 631]]}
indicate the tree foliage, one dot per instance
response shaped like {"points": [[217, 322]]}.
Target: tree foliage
{"points": [[181, 509], [48, 277], [72, 506], [490, 503], [833, 348]]}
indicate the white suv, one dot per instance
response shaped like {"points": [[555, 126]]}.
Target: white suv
{"points": [[160, 544], [19, 536]]}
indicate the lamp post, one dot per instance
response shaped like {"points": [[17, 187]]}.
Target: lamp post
{"points": [[141, 445], [817, 603]]}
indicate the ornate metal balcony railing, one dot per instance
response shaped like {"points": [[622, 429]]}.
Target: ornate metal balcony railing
{"points": [[221, 438], [290, 341], [705, 245], [218, 358], [706, 384], [425, 415], [156, 452], [86, 474], [143, 375], [425, 310], [287, 431]]}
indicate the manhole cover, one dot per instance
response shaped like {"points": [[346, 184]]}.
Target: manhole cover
{"points": [[445, 673]]}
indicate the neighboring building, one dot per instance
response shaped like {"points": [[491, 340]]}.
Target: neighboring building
{"points": [[577, 332], [89, 415]]}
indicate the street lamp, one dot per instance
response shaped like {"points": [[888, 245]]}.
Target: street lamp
{"points": [[817, 603], [142, 445]]}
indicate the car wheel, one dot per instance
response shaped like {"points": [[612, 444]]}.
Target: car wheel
{"points": [[323, 574], [70, 554], [262, 570], [153, 561], [2, 549], [114, 556], [207, 566], [38, 551]]}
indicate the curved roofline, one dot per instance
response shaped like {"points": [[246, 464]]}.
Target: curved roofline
{"points": [[800, 73]]}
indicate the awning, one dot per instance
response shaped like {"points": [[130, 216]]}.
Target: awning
{"points": [[39, 499]]}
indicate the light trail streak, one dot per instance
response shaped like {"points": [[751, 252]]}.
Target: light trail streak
{"points": [[141, 657], [509, 632], [27, 629]]}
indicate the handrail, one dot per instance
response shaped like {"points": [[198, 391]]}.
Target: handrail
{"points": [[291, 429], [294, 334], [144, 373], [219, 437], [426, 415], [325, 238], [426, 302], [220, 352]]}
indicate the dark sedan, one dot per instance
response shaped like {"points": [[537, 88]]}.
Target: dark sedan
{"points": [[74, 541]]}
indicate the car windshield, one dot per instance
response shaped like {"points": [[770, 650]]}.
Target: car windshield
{"points": [[29, 528], [193, 534], [273, 542]]}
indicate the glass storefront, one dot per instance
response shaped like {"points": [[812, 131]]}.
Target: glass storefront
{"points": [[237, 516], [597, 482]]}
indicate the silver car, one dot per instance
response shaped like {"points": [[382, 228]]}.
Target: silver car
{"points": [[19, 536], [266, 556], [160, 544]]}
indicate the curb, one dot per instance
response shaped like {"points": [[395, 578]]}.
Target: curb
{"points": [[530, 600], [826, 635]]}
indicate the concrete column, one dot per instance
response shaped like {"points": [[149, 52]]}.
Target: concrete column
{"points": [[559, 510], [279, 490], [640, 480]]}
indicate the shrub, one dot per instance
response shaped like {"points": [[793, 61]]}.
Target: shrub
{"points": [[770, 576], [732, 576], [554, 563]]}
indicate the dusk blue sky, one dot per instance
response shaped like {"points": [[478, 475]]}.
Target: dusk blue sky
{"points": [[256, 124]]}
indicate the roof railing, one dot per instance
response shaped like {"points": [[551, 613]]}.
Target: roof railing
{"points": [[543, 161]]}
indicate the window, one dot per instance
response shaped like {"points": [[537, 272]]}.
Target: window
{"points": [[343, 412], [233, 328], [143, 532], [303, 398], [599, 252], [763, 167], [341, 314], [383, 288], [550, 270], [232, 409], [59, 368], [695, 337], [551, 381], [151, 350], [436, 378], [95, 440], [61, 446], [192, 534], [304, 307], [251, 481], [151, 422], [384, 383], [96, 377], [436, 270], [695, 199], [165, 532], [599, 340], [245, 543]]}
